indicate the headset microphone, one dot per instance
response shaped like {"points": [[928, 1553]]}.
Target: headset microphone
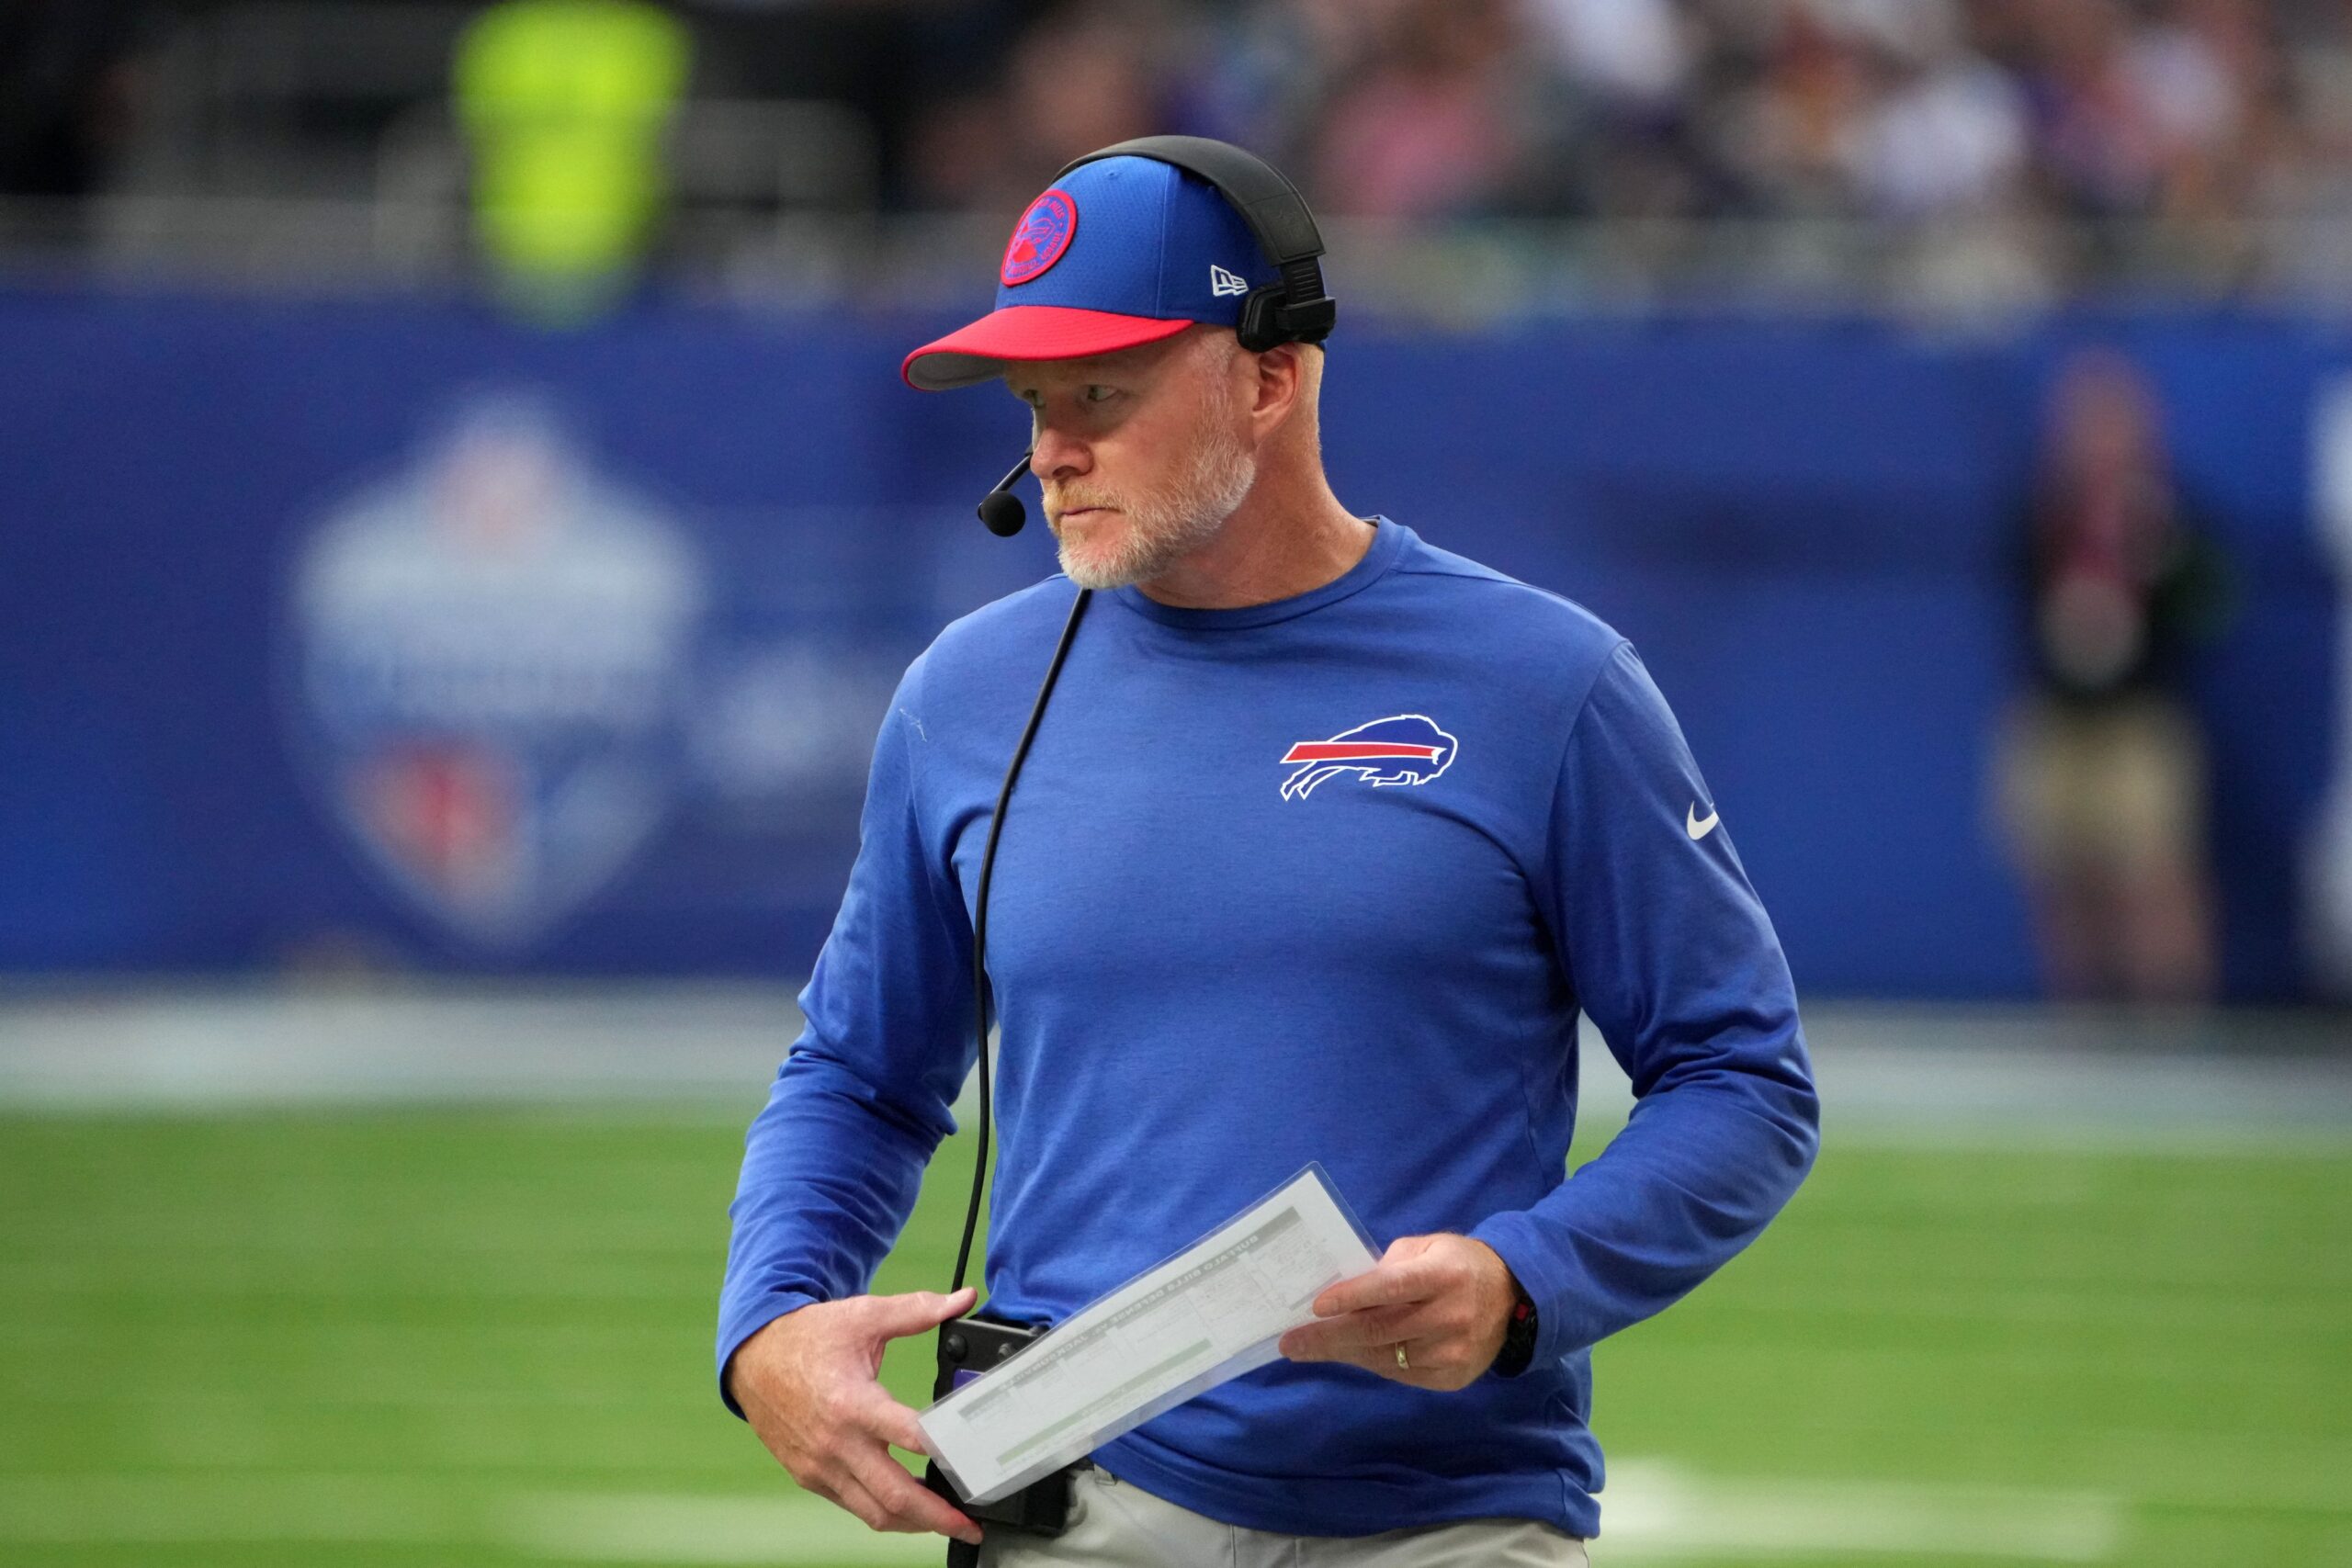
{"points": [[1000, 509]]}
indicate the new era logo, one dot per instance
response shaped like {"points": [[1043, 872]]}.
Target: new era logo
{"points": [[1223, 282]]}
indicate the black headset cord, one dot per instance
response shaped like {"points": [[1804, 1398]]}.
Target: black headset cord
{"points": [[980, 925]]}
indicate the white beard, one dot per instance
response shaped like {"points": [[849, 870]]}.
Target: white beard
{"points": [[1158, 534]]}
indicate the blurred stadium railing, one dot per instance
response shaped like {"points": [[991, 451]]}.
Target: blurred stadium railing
{"points": [[1940, 155], [734, 235]]}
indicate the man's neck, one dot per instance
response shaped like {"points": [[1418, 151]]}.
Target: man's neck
{"points": [[1282, 541]]}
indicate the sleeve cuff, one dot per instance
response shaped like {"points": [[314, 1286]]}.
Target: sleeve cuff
{"points": [[1513, 1236], [746, 1321]]}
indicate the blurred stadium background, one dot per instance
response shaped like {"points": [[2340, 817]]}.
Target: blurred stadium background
{"points": [[459, 522]]}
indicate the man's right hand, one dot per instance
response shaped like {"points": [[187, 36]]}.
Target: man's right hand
{"points": [[808, 1383]]}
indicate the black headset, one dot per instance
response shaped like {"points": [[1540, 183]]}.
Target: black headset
{"points": [[1292, 309]]}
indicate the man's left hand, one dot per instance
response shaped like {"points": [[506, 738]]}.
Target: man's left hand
{"points": [[1446, 1298]]}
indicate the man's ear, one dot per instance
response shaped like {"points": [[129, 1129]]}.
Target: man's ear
{"points": [[1280, 377]]}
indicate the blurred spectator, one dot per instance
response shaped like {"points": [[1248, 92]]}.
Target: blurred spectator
{"points": [[2103, 137], [566, 102], [1791, 130], [1429, 129], [1627, 118], [66, 92], [1082, 77], [2103, 764], [2175, 115], [1946, 133], [923, 75], [1635, 54]]}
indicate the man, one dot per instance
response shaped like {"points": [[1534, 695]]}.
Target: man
{"points": [[2102, 762], [1325, 839]]}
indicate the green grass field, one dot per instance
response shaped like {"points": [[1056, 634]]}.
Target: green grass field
{"points": [[483, 1337]]}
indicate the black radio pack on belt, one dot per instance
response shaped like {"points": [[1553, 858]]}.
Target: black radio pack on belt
{"points": [[967, 1348], [1293, 310]]}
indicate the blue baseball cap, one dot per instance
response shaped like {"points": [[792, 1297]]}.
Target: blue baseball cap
{"points": [[1122, 252]]}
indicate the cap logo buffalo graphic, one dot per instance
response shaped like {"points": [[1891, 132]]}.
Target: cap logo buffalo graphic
{"points": [[1040, 238], [1407, 749]]}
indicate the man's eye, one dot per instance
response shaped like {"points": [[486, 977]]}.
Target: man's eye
{"points": [[1096, 393]]}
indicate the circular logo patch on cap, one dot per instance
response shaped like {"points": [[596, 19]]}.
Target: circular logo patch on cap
{"points": [[1040, 238]]}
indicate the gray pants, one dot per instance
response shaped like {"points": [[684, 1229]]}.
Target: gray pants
{"points": [[1116, 1524]]}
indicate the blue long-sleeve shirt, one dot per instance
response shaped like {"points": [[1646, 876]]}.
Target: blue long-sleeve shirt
{"points": [[1323, 879]]}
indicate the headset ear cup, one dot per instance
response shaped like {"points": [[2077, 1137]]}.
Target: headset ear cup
{"points": [[1257, 330]]}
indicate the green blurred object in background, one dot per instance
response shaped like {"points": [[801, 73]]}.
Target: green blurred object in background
{"points": [[565, 103], [483, 1338]]}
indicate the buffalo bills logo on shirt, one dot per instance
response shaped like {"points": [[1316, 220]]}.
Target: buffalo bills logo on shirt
{"points": [[1406, 749], [1040, 238]]}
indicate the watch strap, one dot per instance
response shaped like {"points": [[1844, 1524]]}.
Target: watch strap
{"points": [[1519, 1336]]}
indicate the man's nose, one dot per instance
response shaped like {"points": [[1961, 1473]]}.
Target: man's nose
{"points": [[1058, 453]]}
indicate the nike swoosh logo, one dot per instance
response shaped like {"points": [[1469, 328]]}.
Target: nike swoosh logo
{"points": [[1697, 829]]}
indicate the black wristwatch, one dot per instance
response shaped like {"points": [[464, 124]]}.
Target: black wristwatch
{"points": [[1519, 1336]]}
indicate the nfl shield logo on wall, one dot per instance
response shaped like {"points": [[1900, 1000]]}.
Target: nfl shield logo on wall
{"points": [[489, 657]]}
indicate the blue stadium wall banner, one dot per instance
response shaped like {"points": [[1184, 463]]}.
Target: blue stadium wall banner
{"points": [[388, 633]]}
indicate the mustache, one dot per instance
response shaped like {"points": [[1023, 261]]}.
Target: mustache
{"points": [[1068, 500]]}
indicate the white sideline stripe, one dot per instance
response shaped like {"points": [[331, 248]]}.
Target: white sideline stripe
{"points": [[664, 1528], [212, 1508], [236, 1046], [1975, 1074], [1654, 1511]]}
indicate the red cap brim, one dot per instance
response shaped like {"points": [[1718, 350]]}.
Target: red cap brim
{"points": [[978, 353]]}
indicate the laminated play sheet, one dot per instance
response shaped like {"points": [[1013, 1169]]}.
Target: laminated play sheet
{"points": [[1209, 1313]]}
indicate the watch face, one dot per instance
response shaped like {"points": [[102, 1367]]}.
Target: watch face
{"points": [[1519, 1338]]}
